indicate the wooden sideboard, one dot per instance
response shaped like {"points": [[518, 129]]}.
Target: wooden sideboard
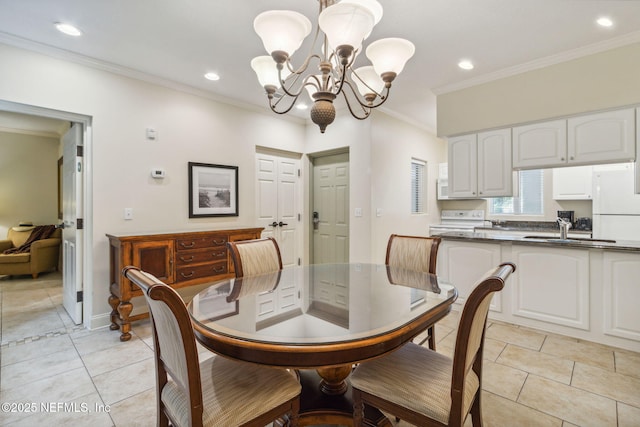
{"points": [[177, 259]]}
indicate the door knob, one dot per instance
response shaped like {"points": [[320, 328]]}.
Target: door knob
{"points": [[274, 224], [282, 224]]}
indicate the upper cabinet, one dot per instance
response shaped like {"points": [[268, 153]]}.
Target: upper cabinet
{"points": [[480, 165], [602, 138], [540, 145], [607, 137], [573, 183]]}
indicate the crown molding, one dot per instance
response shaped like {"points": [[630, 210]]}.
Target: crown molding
{"points": [[630, 38]]}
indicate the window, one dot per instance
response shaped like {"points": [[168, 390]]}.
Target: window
{"points": [[418, 187], [530, 200]]}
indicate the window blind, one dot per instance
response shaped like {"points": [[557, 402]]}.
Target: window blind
{"points": [[418, 187]]}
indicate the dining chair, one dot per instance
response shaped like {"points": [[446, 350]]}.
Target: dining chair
{"points": [[257, 256], [217, 391], [426, 388], [415, 253]]}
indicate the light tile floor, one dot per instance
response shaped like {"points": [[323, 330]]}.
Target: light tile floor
{"points": [[90, 378]]}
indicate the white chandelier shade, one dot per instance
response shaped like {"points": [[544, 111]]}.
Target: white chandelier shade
{"points": [[346, 24], [368, 80], [265, 68], [390, 55], [282, 30], [341, 30]]}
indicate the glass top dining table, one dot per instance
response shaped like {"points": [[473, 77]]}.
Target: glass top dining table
{"points": [[312, 316], [322, 317]]}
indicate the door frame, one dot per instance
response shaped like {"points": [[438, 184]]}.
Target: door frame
{"points": [[87, 193]]}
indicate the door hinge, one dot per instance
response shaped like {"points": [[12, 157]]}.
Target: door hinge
{"points": [[79, 297], [80, 150], [299, 218], [299, 261], [298, 173], [79, 224]]}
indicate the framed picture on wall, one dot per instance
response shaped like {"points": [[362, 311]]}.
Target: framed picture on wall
{"points": [[213, 190]]}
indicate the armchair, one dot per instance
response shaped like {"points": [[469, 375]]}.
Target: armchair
{"points": [[43, 254]]}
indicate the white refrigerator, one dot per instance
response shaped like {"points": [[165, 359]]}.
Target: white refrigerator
{"points": [[616, 207]]}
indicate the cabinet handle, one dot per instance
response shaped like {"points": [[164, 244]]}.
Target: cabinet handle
{"points": [[571, 158], [218, 254], [187, 275], [562, 159], [184, 245], [218, 269], [219, 242], [185, 259]]}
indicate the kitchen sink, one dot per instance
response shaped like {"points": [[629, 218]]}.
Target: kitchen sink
{"points": [[571, 240]]}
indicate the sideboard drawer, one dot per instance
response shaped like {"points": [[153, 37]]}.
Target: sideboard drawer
{"points": [[208, 241], [201, 256], [202, 270]]}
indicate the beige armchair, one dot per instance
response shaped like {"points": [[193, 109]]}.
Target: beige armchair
{"points": [[42, 256]]}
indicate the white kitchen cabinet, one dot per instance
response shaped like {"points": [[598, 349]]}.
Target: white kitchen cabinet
{"points": [[463, 263], [621, 294], [551, 285], [637, 187], [494, 163], [463, 166], [540, 145], [480, 165], [602, 137], [573, 183]]}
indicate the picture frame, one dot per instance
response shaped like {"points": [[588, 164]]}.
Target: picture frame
{"points": [[213, 190]]}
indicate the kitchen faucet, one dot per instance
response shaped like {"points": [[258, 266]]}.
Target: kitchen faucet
{"points": [[565, 225]]}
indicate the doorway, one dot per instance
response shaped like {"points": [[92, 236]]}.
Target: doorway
{"points": [[330, 209], [72, 283]]}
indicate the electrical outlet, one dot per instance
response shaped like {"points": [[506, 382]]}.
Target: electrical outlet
{"points": [[128, 213]]}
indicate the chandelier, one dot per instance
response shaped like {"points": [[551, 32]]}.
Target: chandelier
{"points": [[342, 28]]}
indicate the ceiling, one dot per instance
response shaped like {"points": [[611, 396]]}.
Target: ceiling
{"points": [[176, 42]]}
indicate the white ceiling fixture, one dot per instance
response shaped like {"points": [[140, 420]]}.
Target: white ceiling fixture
{"points": [[339, 34], [212, 76], [465, 64], [68, 29], [605, 21]]}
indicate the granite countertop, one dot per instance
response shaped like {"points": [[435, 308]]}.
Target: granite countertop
{"points": [[620, 245], [533, 226]]}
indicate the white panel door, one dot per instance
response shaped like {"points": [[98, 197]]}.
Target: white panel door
{"points": [[331, 209], [72, 210], [621, 294], [278, 203]]}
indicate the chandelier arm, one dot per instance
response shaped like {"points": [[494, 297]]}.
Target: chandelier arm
{"points": [[366, 110], [273, 105], [383, 96], [286, 88]]}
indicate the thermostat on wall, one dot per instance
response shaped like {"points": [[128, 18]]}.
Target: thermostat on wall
{"points": [[157, 173]]}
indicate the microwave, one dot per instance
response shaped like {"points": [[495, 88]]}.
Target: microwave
{"points": [[443, 189]]}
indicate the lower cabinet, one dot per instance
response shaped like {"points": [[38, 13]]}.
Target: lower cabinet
{"points": [[462, 264], [621, 294], [551, 285], [584, 293], [177, 259]]}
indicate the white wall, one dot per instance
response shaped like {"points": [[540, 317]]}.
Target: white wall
{"points": [[24, 160]]}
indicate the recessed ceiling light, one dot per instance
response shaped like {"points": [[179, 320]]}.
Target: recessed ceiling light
{"points": [[465, 64], [604, 21], [212, 76], [68, 29]]}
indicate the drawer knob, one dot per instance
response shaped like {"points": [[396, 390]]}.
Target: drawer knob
{"points": [[187, 275], [184, 245], [219, 242], [186, 259]]}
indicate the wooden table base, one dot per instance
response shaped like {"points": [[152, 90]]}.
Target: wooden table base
{"points": [[317, 407]]}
